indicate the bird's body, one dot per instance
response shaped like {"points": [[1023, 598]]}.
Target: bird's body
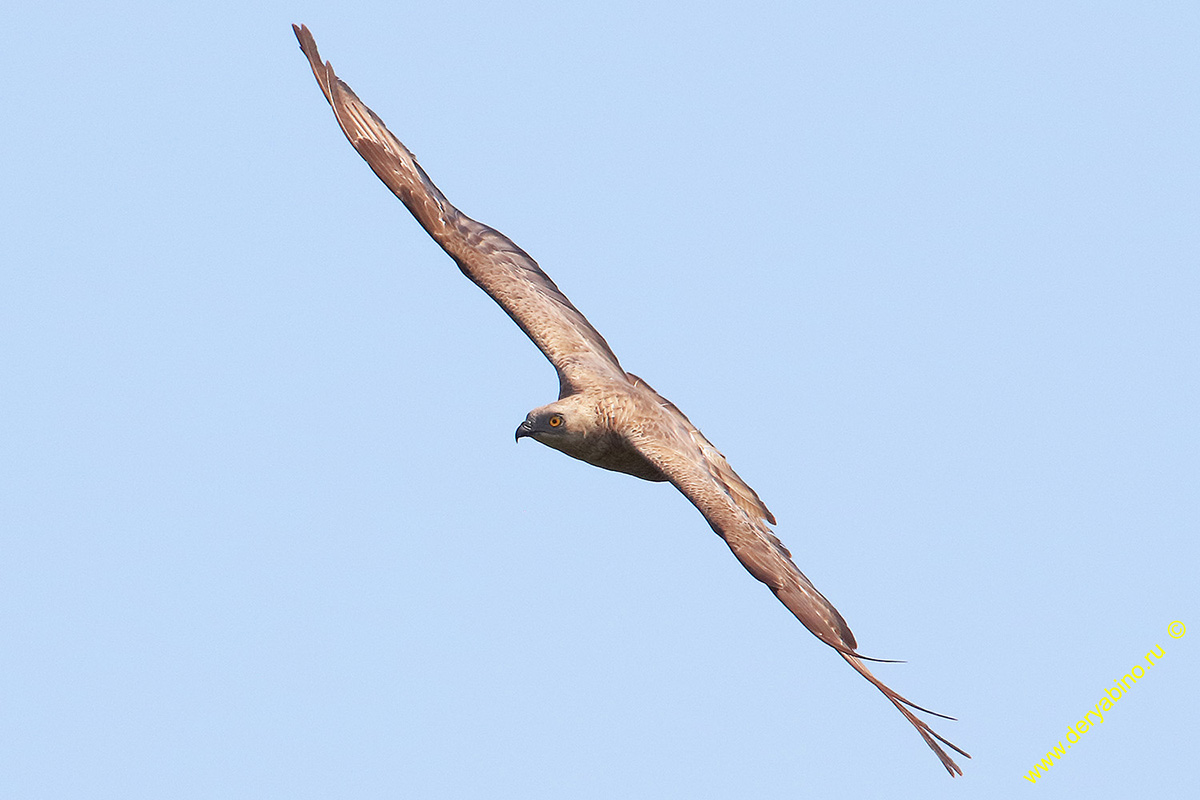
{"points": [[604, 415], [593, 425]]}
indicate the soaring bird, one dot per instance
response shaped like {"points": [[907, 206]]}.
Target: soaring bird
{"points": [[603, 415]]}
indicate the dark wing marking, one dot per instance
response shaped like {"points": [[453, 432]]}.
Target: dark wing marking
{"points": [[486, 256], [734, 511]]}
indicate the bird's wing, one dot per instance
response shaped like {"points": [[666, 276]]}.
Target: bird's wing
{"points": [[746, 498], [701, 473], [486, 256]]}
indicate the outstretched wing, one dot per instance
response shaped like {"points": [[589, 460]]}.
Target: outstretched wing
{"points": [[732, 508], [486, 256]]}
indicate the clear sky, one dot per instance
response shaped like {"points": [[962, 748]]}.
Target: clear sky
{"points": [[926, 273]]}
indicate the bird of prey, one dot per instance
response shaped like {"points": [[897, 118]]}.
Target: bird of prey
{"points": [[603, 415]]}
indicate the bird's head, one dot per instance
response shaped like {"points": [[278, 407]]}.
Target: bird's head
{"points": [[555, 425]]}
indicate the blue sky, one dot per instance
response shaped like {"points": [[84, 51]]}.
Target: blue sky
{"points": [[926, 273]]}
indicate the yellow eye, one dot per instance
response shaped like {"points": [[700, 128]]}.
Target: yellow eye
{"points": [[555, 421]]}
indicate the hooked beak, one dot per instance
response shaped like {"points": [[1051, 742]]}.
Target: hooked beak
{"points": [[524, 429]]}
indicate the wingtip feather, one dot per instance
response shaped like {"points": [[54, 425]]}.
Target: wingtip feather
{"points": [[930, 736]]}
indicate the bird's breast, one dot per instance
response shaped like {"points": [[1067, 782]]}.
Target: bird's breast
{"points": [[613, 453]]}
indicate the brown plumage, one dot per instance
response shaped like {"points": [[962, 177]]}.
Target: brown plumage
{"points": [[604, 415]]}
